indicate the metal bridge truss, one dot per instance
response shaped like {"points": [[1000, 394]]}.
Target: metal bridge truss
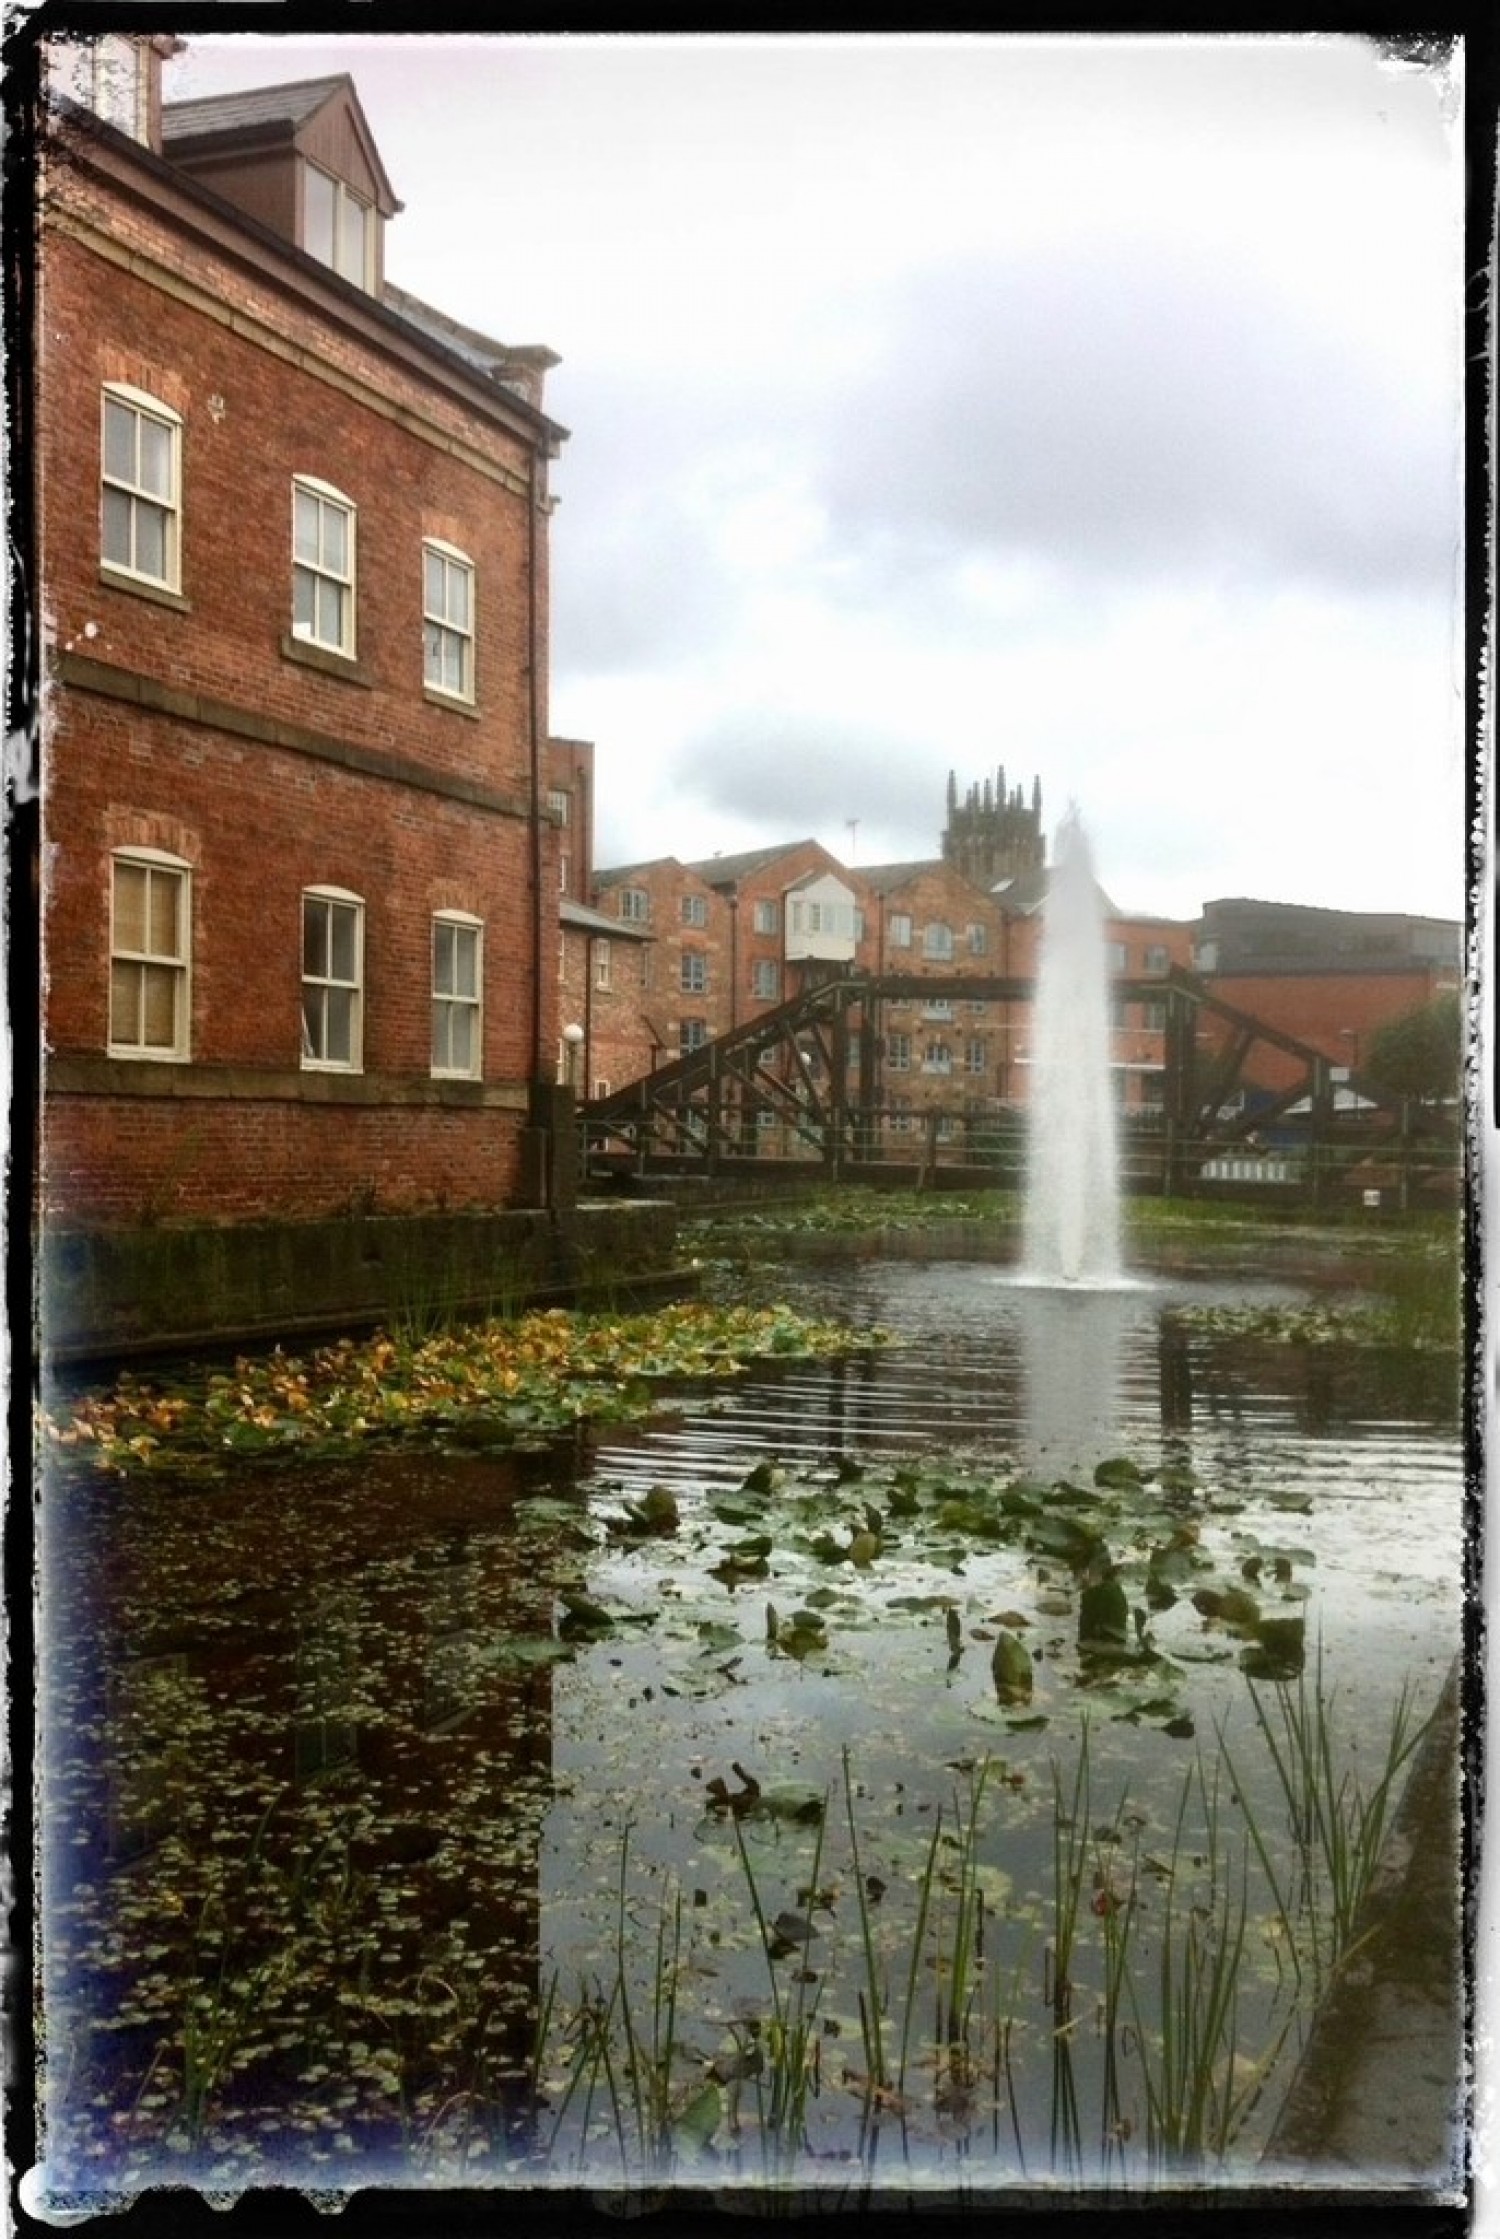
{"points": [[814, 1065]]}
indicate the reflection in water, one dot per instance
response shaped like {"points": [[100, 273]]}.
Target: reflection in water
{"points": [[1071, 1345], [326, 1818]]}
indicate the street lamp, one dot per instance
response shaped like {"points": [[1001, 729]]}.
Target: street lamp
{"points": [[573, 1042]]}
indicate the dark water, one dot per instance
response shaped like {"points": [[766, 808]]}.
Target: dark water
{"points": [[340, 1798]]}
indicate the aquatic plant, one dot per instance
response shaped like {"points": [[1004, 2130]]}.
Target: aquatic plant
{"points": [[499, 1382]]}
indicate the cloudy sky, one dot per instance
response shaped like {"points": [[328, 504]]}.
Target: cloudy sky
{"points": [[1089, 405]]}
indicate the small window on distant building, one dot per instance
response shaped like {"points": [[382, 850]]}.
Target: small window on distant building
{"points": [[1118, 955], [333, 939], [767, 916], [899, 928], [692, 1033], [322, 566], [1154, 1017], [141, 502], [976, 1055], [898, 1052], [338, 228], [456, 995], [148, 955], [766, 979], [694, 909], [694, 978], [603, 966], [1158, 958], [560, 804], [978, 938], [601, 1086], [635, 905], [448, 621], [937, 941]]}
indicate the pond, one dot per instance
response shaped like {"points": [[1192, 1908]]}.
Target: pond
{"points": [[867, 1769]]}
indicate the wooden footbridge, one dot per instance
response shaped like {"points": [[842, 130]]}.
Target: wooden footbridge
{"points": [[810, 1076]]}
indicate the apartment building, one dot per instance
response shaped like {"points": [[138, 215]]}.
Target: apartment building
{"points": [[298, 872]]}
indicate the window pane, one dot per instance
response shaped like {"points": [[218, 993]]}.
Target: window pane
{"points": [[342, 929], [150, 540], [119, 441], [160, 991], [124, 1003], [432, 582], [458, 597], [466, 961], [339, 1014], [164, 890], [461, 1042], [130, 907], [317, 213], [305, 526], [117, 511], [442, 957], [315, 939], [335, 532], [156, 457], [352, 258], [312, 1022]]}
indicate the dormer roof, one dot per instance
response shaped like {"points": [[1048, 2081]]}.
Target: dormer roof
{"points": [[316, 117]]}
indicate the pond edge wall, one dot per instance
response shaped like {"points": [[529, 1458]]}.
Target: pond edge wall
{"points": [[112, 1293]]}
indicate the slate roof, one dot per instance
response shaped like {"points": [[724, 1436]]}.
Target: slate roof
{"points": [[724, 870], [213, 113]]}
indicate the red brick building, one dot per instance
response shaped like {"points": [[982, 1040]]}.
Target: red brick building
{"points": [[1331, 978], [298, 873]]}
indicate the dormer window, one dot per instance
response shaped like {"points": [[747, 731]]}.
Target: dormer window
{"points": [[337, 227]]}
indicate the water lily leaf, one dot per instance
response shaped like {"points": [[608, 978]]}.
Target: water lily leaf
{"points": [[1103, 1614], [699, 2119], [1118, 1471], [1012, 1669]]}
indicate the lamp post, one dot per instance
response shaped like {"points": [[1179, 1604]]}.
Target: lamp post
{"points": [[572, 1042]]}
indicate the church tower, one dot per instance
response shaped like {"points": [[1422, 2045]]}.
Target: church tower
{"points": [[994, 834]]}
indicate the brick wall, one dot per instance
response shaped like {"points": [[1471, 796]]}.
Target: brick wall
{"points": [[193, 724]]}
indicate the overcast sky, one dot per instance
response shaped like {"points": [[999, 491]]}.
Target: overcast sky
{"points": [[1090, 405]]}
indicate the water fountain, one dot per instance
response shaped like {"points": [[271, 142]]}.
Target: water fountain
{"points": [[1072, 1226]]}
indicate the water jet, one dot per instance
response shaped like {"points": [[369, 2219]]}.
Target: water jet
{"points": [[1072, 1213]]}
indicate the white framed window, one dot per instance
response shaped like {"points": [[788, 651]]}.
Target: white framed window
{"points": [[448, 625], [899, 929], [150, 938], [1157, 957], [141, 487], [976, 1055], [767, 917], [564, 873], [766, 979], [603, 966], [322, 565], [560, 804], [333, 968], [601, 1086], [898, 1052], [1118, 956], [937, 1058], [694, 909], [937, 940], [635, 905], [457, 995], [978, 938], [692, 1033], [338, 226], [694, 978]]}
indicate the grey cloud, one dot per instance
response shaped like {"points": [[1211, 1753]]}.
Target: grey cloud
{"points": [[1155, 413], [753, 763]]}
